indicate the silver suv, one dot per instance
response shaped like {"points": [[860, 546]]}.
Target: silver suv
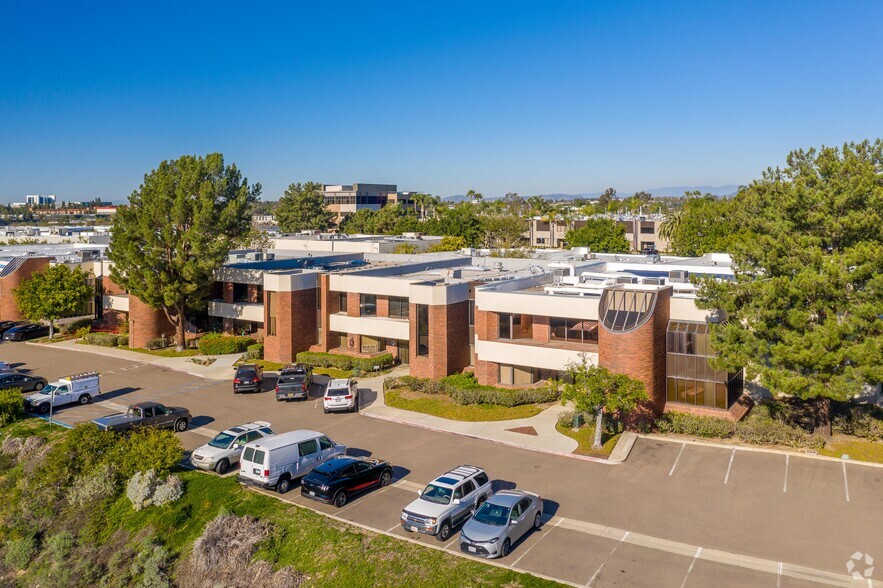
{"points": [[447, 501], [224, 450]]}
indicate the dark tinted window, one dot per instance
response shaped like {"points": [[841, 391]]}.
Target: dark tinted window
{"points": [[324, 443], [481, 479], [361, 466], [247, 374], [468, 487], [308, 447]]}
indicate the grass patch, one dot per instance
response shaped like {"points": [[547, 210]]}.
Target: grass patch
{"points": [[333, 373], [585, 436], [57, 339], [167, 352], [28, 426], [857, 449], [272, 366], [444, 406]]}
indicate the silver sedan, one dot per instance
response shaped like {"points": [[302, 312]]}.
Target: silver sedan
{"points": [[500, 522]]}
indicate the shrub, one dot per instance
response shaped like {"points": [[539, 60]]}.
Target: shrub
{"points": [[97, 485], [20, 552], [123, 340], [82, 332], [502, 397], [345, 362], [147, 449], [139, 490], [217, 344], [169, 491], [76, 326], [158, 343], [152, 564], [59, 546], [255, 351], [698, 426], [763, 430], [860, 420], [102, 339], [463, 381], [11, 405], [405, 248]]}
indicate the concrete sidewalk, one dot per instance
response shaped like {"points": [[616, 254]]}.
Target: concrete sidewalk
{"points": [[221, 369], [547, 438]]}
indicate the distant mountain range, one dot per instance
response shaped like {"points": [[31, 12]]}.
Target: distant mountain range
{"points": [[726, 190]]}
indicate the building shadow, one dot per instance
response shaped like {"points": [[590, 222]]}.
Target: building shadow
{"points": [[117, 393], [201, 420]]}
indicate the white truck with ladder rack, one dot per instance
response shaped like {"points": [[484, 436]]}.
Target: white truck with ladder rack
{"points": [[78, 388]]}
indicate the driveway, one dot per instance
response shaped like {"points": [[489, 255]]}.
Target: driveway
{"points": [[671, 515]]}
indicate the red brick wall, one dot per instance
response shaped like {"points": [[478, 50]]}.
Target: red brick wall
{"points": [[487, 373], [448, 341], [640, 354], [383, 306], [542, 332], [8, 308], [352, 304], [146, 323], [228, 292], [295, 325], [111, 288]]}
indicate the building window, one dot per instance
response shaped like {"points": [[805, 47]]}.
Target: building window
{"points": [[541, 240], [422, 329], [398, 307], [472, 313], [367, 305], [510, 326], [341, 301], [647, 229], [337, 340], [573, 330], [240, 292], [516, 375], [690, 378], [371, 344], [271, 313]]}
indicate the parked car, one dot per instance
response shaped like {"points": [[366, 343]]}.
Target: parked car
{"points": [[6, 325], [500, 522], [225, 448], [294, 382], [249, 378], [277, 461], [78, 388], [341, 394], [335, 481], [24, 332], [146, 414], [25, 382], [447, 501]]}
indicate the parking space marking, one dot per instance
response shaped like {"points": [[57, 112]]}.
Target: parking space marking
{"points": [[845, 481], [785, 485], [675, 464], [393, 528], [354, 503], [729, 467], [692, 563], [609, 555], [779, 576], [541, 537], [407, 485]]}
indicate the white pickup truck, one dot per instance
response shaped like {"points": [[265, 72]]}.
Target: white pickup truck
{"points": [[79, 388]]}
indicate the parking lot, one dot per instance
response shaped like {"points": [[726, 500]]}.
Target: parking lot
{"points": [[673, 514]]}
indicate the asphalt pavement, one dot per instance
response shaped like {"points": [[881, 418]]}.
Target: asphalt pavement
{"points": [[672, 515]]}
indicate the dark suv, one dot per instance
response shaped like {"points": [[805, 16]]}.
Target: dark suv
{"points": [[294, 382], [248, 378]]}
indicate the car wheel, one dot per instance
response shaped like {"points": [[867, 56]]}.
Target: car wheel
{"points": [[507, 547], [325, 410], [444, 532], [39, 386], [283, 485], [84, 399], [181, 425], [480, 501], [537, 521], [235, 391], [385, 478], [340, 498], [43, 408], [223, 467]]}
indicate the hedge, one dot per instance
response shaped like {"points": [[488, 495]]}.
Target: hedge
{"points": [[758, 428], [465, 389], [11, 405], [345, 362], [255, 351], [217, 344], [859, 420], [75, 326], [123, 340], [102, 339], [158, 343]]}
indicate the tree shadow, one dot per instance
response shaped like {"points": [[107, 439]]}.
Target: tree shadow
{"points": [[200, 421]]}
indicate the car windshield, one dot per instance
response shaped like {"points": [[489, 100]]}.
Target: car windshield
{"points": [[437, 494], [49, 389], [222, 440], [289, 379], [337, 392], [492, 514]]}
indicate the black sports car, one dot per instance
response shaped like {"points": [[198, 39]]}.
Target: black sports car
{"points": [[6, 325], [337, 479], [23, 332]]}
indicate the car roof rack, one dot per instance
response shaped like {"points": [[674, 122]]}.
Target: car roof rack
{"points": [[81, 376], [464, 471]]}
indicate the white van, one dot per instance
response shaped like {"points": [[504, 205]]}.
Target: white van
{"points": [[275, 462], [79, 388]]}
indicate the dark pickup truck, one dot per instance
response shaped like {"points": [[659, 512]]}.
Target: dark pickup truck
{"points": [[146, 414], [294, 382]]}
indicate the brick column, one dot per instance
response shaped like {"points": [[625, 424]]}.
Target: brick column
{"points": [[541, 329], [9, 310], [383, 306], [448, 341], [228, 292], [295, 325], [352, 304], [147, 323]]}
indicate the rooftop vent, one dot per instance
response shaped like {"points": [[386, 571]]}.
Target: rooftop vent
{"points": [[498, 265], [654, 281], [626, 280]]}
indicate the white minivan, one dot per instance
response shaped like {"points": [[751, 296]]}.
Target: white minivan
{"points": [[276, 462]]}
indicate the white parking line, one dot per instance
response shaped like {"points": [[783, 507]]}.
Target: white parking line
{"points": [[779, 576], [675, 464], [785, 485], [609, 555], [526, 551], [393, 528], [729, 467], [692, 563], [845, 481]]}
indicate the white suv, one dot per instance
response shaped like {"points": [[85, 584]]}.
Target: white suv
{"points": [[224, 450], [447, 501], [341, 394]]}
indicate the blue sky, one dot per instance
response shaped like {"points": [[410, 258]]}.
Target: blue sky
{"points": [[438, 97]]}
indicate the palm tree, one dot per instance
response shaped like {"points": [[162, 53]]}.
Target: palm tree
{"points": [[670, 225]]}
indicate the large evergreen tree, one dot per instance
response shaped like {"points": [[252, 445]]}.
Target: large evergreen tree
{"points": [[175, 233], [302, 208], [805, 311]]}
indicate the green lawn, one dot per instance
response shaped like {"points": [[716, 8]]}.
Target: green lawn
{"points": [[443, 406], [585, 436], [166, 352], [857, 449]]}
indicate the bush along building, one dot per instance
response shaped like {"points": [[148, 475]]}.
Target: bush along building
{"points": [[513, 322]]}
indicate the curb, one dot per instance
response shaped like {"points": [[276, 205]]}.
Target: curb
{"points": [[691, 441], [497, 441]]}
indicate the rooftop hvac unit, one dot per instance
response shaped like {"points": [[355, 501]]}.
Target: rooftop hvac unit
{"points": [[498, 265], [269, 256], [678, 276], [654, 281], [626, 280], [254, 256], [557, 275], [412, 235]]}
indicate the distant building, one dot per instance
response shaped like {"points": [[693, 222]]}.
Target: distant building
{"points": [[34, 200], [344, 199], [105, 210], [641, 231]]}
